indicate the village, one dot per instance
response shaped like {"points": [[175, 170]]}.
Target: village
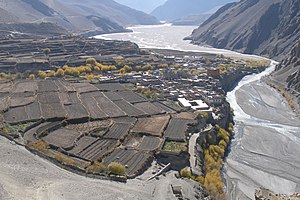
{"points": [[109, 109]]}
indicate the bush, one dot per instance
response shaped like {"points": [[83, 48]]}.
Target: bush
{"points": [[96, 167], [42, 74], [203, 114], [64, 159], [116, 169], [40, 145], [60, 72], [91, 61], [200, 179], [186, 173], [31, 76]]}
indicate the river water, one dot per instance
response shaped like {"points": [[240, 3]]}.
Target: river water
{"points": [[265, 151]]}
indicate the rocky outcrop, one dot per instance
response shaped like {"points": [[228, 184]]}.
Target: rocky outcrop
{"points": [[263, 27], [175, 9], [264, 194], [288, 71]]}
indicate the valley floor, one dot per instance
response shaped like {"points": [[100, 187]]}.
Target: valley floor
{"points": [[265, 151]]}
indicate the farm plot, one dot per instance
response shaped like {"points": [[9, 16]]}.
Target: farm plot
{"points": [[64, 86], [94, 94], [16, 115], [130, 120], [82, 144], [118, 131], [113, 96], [30, 135], [53, 110], [46, 128], [150, 143], [25, 86], [84, 87], [34, 111], [110, 87], [48, 98], [164, 107], [65, 98], [135, 161], [76, 111], [47, 86], [176, 129], [131, 97], [90, 126], [98, 150], [93, 108], [17, 101], [151, 125], [111, 109], [129, 109], [5, 87], [149, 108], [4, 103], [133, 141], [74, 97], [64, 138], [185, 115]]}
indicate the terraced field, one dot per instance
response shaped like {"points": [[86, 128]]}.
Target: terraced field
{"points": [[86, 122], [63, 138], [118, 131], [97, 150], [152, 125], [150, 143], [133, 159], [176, 129]]}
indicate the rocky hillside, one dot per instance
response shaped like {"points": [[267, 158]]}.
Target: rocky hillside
{"points": [[264, 27], [194, 20], [288, 71], [31, 29], [144, 5], [110, 9], [176, 9], [92, 16]]}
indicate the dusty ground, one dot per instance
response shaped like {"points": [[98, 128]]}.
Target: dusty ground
{"points": [[25, 176], [265, 151]]}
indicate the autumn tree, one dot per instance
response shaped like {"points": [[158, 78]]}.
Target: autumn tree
{"points": [[116, 168], [42, 74], [91, 61], [60, 72], [31, 76]]}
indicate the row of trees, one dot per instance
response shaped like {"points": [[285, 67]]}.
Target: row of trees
{"points": [[93, 69], [113, 168], [213, 161]]}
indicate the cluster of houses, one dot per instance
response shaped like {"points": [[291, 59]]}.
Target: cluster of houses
{"points": [[196, 92]]}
